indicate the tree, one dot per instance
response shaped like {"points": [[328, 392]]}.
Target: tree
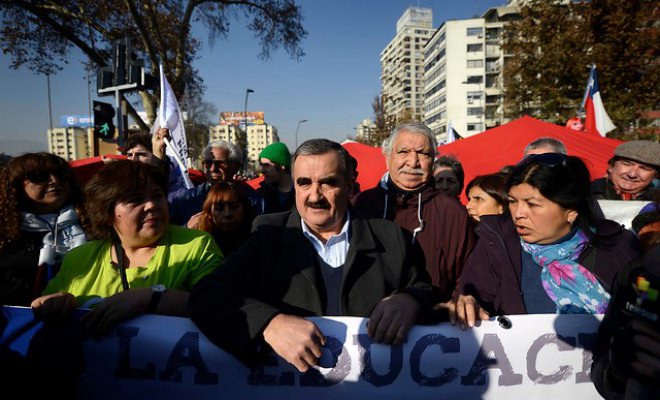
{"points": [[40, 35], [199, 120], [550, 48]]}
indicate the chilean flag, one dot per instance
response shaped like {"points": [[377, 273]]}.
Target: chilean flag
{"points": [[597, 121]]}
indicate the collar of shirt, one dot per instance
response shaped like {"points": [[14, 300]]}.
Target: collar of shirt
{"points": [[334, 251]]}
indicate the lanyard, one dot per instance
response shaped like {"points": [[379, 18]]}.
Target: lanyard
{"points": [[120, 265]]}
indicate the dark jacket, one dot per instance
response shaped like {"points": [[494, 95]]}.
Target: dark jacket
{"points": [[277, 271], [19, 284], [446, 238], [271, 202], [602, 189], [492, 272], [614, 340]]}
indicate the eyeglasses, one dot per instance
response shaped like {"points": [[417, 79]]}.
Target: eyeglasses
{"points": [[42, 177], [547, 159], [216, 163]]}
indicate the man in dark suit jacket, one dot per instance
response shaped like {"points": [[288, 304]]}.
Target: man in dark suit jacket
{"points": [[320, 259]]}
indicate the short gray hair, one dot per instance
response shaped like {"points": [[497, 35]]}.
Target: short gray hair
{"points": [[556, 145], [315, 147], [416, 127], [235, 153]]}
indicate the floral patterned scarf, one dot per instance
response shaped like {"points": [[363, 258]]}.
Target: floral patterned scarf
{"points": [[569, 285]]}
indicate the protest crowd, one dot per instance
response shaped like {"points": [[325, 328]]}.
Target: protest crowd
{"points": [[248, 266]]}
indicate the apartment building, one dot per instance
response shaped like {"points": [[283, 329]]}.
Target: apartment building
{"points": [[463, 81], [402, 65], [71, 143]]}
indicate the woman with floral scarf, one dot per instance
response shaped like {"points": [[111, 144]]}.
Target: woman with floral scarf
{"points": [[549, 254]]}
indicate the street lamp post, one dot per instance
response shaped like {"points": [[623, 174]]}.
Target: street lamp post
{"points": [[297, 128], [245, 152]]}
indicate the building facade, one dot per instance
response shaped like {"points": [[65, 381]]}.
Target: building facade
{"points": [[402, 65], [463, 67], [365, 130], [71, 143]]}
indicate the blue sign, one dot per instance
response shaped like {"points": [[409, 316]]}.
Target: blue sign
{"points": [[82, 121]]}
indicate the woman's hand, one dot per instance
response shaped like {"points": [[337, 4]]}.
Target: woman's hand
{"points": [[54, 306], [465, 309], [115, 309], [194, 221]]}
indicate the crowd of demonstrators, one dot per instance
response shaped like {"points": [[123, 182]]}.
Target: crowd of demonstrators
{"points": [[548, 254], [400, 253], [449, 175], [227, 215], [408, 196], [486, 195], [277, 187], [320, 258], [41, 208], [137, 263], [631, 172], [221, 160]]}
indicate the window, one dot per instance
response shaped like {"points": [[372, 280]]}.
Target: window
{"points": [[473, 96], [473, 48], [475, 79], [475, 63], [474, 127], [474, 31], [474, 111]]}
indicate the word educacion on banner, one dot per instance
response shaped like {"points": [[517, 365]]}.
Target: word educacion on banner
{"points": [[546, 354], [186, 352], [539, 356]]}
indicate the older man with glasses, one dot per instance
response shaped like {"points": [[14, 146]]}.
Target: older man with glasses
{"points": [[221, 161]]}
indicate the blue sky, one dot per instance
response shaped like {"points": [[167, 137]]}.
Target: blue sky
{"points": [[332, 86]]}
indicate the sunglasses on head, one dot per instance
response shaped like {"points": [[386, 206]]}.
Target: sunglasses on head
{"points": [[216, 163], [41, 177], [547, 159]]}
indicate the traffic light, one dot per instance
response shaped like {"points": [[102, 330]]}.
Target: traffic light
{"points": [[104, 127]]}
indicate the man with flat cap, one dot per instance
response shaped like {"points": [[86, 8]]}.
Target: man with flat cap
{"points": [[630, 173]]}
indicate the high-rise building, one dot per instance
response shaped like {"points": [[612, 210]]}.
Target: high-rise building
{"points": [[365, 130], [258, 137], [71, 143], [402, 65], [463, 80]]}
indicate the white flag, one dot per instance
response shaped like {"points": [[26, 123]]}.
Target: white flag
{"points": [[170, 117], [449, 137]]}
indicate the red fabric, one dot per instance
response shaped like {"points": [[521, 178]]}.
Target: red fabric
{"points": [[86, 167], [371, 164], [495, 148]]}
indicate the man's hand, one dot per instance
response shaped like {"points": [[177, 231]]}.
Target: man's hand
{"points": [[392, 318], [298, 341], [465, 309], [53, 306], [158, 142]]}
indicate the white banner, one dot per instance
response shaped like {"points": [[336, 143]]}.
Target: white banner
{"points": [[621, 211], [539, 357]]}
